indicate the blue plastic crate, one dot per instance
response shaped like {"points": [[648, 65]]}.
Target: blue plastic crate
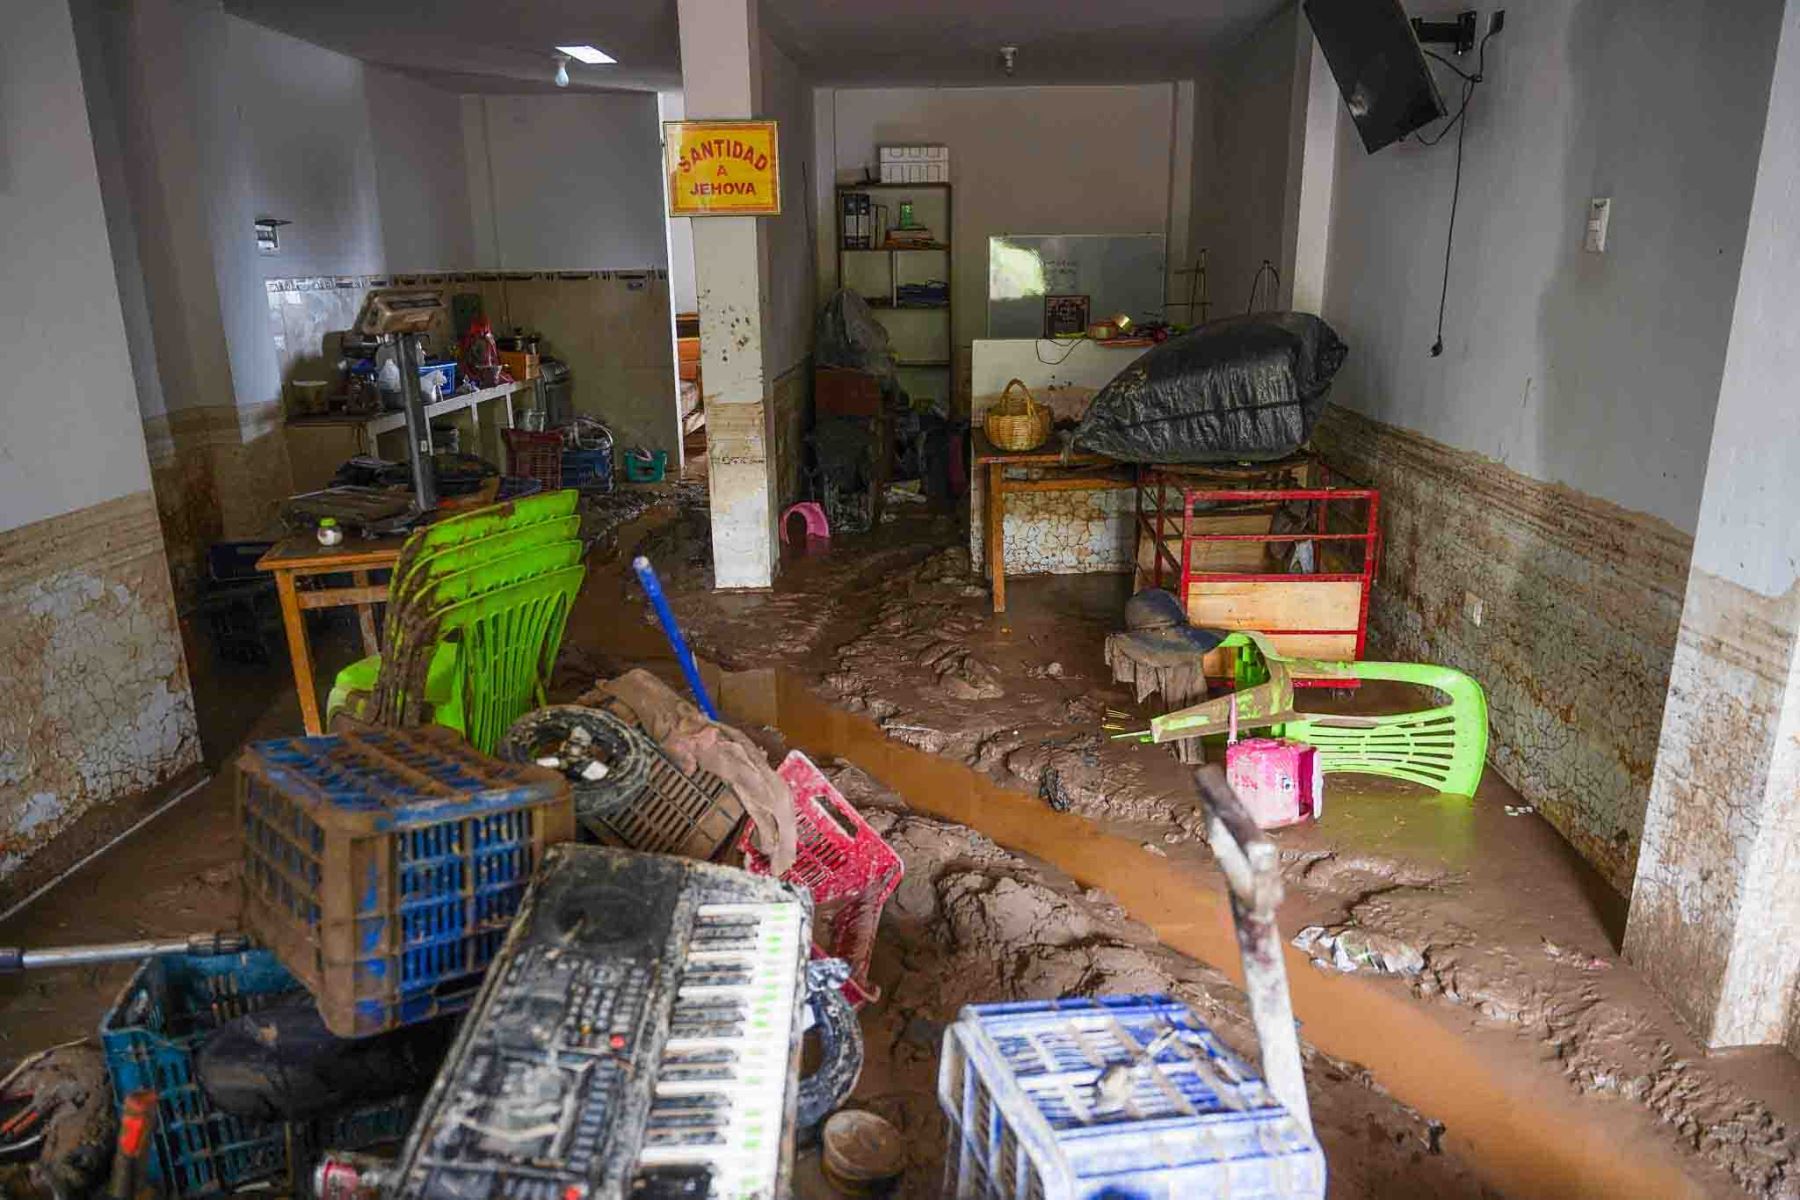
{"points": [[589, 470], [150, 1036], [383, 867], [1018, 1083]]}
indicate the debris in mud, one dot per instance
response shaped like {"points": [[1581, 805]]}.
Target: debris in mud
{"points": [[1519, 810], [67, 1112], [1052, 792], [1155, 849], [1575, 958], [972, 922], [1348, 948]]}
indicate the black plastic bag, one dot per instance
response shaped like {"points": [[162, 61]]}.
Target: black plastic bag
{"points": [[848, 335], [1244, 389]]}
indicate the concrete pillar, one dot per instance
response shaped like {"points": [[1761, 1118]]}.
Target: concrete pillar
{"points": [[722, 79], [1715, 913], [1312, 172]]}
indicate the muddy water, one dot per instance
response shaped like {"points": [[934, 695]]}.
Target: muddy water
{"points": [[1515, 1120]]}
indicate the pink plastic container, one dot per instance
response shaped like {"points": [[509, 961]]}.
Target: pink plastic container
{"points": [[846, 866], [1279, 781]]}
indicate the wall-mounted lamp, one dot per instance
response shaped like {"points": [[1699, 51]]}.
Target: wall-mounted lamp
{"points": [[561, 78], [268, 241]]}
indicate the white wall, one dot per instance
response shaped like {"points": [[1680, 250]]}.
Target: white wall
{"points": [[69, 430], [1598, 371], [566, 182], [1244, 134], [786, 99], [1022, 160], [421, 180], [310, 149], [683, 297]]}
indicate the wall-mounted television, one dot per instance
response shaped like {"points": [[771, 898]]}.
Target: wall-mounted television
{"points": [[1379, 68]]}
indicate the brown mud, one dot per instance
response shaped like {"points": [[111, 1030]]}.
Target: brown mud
{"points": [[1525, 1059]]}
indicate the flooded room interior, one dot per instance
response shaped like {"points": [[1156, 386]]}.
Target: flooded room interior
{"points": [[747, 599]]}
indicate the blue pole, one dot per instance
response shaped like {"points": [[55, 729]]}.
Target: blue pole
{"points": [[653, 588]]}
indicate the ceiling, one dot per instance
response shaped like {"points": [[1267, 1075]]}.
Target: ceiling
{"points": [[507, 45], [1059, 41]]}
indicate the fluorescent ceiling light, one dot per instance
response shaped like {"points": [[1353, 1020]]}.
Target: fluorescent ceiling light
{"points": [[591, 55]]}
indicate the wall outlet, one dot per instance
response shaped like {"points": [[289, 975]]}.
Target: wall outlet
{"points": [[1473, 608], [1599, 213]]}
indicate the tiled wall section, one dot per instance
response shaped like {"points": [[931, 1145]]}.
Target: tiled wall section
{"points": [[1581, 601], [611, 327], [98, 708], [1061, 533]]}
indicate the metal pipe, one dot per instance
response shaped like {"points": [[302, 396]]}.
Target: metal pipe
{"points": [[18, 958], [418, 428], [653, 588]]}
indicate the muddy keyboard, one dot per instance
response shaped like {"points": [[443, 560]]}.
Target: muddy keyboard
{"points": [[718, 1103], [638, 1035]]}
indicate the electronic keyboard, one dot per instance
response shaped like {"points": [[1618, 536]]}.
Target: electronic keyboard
{"points": [[638, 1035]]}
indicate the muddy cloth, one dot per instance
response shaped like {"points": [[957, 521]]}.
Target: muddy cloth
{"points": [[691, 740], [1244, 389]]}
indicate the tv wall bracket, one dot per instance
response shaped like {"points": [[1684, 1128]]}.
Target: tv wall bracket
{"points": [[1458, 33]]}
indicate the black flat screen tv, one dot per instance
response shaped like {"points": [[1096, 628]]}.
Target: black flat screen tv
{"points": [[1378, 66]]}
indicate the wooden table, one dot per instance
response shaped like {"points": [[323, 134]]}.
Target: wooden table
{"points": [[1052, 471], [301, 557]]}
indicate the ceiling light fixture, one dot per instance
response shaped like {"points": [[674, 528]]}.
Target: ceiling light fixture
{"points": [[561, 78], [593, 56]]}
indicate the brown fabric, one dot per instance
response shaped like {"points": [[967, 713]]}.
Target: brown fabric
{"points": [[1150, 664], [691, 740]]}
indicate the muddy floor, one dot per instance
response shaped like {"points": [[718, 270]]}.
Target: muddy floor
{"points": [[1517, 1055]]}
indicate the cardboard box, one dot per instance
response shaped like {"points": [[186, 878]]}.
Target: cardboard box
{"points": [[522, 366]]}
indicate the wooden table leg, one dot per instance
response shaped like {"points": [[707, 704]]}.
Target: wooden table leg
{"points": [[365, 616], [996, 533], [299, 651]]}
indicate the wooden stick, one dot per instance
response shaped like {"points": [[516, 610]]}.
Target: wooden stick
{"points": [[1253, 871]]}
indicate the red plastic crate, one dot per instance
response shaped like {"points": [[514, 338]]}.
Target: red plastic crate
{"points": [[533, 455], [846, 866]]}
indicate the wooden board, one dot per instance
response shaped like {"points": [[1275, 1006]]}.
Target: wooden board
{"points": [[1273, 605], [1245, 557]]}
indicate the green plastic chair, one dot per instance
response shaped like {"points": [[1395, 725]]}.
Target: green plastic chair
{"points": [[483, 522], [392, 688], [1443, 747], [412, 638], [506, 645], [453, 543], [406, 593]]}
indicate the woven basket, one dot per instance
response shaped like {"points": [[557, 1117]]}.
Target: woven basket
{"points": [[1017, 422]]}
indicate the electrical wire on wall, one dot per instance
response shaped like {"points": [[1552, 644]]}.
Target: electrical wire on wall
{"points": [[1459, 123], [1266, 271]]}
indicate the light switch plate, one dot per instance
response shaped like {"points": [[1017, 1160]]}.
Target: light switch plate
{"points": [[1599, 213]]}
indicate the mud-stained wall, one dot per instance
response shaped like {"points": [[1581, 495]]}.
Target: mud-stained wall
{"points": [[218, 472], [791, 417], [1580, 601], [97, 707], [1722, 820]]}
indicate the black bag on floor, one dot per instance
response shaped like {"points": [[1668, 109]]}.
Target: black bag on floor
{"points": [[1243, 389]]}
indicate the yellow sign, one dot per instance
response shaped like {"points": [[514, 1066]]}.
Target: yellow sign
{"points": [[722, 168]]}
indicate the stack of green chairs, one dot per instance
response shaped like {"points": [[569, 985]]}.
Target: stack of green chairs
{"points": [[1443, 747], [477, 606]]}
